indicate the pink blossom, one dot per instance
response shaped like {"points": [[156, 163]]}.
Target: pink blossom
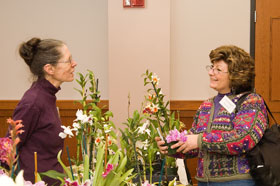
{"points": [[108, 170], [68, 182], [29, 183], [175, 135], [6, 145], [2, 172], [146, 183]]}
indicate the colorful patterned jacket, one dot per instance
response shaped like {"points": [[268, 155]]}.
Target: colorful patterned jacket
{"points": [[224, 141]]}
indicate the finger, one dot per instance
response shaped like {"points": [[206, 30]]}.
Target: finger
{"points": [[163, 148], [164, 152], [182, 147], [186, 150], [177, 145], [157, 138], [160, 143]]}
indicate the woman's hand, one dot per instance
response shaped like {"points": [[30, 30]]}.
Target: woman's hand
{"points": [[160, 143], [190, 144]]}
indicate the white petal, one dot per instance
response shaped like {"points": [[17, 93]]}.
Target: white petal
{"points": [[62, 135], [19, 179]]}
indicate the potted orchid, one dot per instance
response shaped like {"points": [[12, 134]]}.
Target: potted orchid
{"points": [[173, 137], [158, 113], [98, 161], [137, 141]]}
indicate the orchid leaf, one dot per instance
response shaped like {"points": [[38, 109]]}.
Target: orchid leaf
{"points": [[67, 171]]}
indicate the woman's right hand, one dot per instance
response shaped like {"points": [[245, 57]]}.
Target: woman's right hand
{"points": [[160, 143]]}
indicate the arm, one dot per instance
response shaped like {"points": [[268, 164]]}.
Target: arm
{"points": [[29, 116]]}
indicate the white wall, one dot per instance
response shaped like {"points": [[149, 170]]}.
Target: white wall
{"points": [[139, 39], [81, 24], [197, 27]]}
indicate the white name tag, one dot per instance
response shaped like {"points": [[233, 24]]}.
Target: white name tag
{"points": [[227, 104]]}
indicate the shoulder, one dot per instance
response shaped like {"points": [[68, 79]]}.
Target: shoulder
{"points": [[207, 103], [30, 98], [253, 101], [253, 98]]}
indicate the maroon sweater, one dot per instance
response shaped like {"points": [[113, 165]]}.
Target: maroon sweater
{"points": [[38, 112]]}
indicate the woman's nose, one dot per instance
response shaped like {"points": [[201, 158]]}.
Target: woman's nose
{"points": [[211, 72], [74, 63]]}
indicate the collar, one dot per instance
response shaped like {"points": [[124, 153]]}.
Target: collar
{"points": [[50, 88]]}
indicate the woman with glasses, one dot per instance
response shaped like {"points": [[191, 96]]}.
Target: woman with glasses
{"points": [[51, 64], [221, 135]]}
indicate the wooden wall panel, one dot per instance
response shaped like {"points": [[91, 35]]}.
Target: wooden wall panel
{"points": [[187, 110], [274, 85], [67, 111]]}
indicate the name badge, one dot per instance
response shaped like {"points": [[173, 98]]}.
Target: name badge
{"points": [[227, 104]]}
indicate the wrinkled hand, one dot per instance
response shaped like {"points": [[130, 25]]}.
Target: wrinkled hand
{"points": [[190, 144], [160, 144]]}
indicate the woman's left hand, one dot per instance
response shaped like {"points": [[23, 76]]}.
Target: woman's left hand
{"points": [[190, 144]]}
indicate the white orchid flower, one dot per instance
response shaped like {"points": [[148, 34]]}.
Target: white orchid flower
{"points": [[76, 126], [154, 108], [81, 116], [7, 181], [62, 135], [107, 128], [143, 129], [142, 145], [147, 123], [148, 131], [155, 79], [67, 131]]}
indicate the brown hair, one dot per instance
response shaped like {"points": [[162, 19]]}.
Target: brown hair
{"points": [[37, 53], [241, 67]]}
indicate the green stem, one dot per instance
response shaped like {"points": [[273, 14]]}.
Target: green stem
{"points": [[151, 170], [161, 106], [144, 171], [137, 165]]}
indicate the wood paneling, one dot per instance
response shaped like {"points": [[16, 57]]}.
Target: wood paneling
{"points": [[274, 85], [267, 56], [187, 110], [67, 111]]}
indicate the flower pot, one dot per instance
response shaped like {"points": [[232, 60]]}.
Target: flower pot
{"points": [[171, 151]]}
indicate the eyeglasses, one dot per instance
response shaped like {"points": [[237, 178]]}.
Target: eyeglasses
{"points": [[70, 61], [215, 70]]}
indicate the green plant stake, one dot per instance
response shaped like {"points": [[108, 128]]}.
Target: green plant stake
{"points": [[161, 171]]}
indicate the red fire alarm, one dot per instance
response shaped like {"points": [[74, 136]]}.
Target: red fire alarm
{"points": [[133, 3]]}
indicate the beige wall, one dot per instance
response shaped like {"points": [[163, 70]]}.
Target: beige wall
{"points": [[198, 26], [139, 39], [170, 37], [81, 24]]}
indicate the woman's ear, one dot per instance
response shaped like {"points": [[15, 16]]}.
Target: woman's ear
{"points": [[49, 69]]}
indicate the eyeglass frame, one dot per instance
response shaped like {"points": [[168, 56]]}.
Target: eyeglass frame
{"points": [[70, 60], [215, 70]]}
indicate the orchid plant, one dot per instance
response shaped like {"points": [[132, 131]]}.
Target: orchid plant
{"points": [[8, 147], [102, 161], [8, 155], [137, 141], [19, 180], [158, 112]]}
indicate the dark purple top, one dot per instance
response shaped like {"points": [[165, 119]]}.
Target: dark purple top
{"points": [[217, 105], [39, 115]]}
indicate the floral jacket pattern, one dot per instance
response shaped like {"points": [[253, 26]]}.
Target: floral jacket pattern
{"points": [[224, 140]]}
